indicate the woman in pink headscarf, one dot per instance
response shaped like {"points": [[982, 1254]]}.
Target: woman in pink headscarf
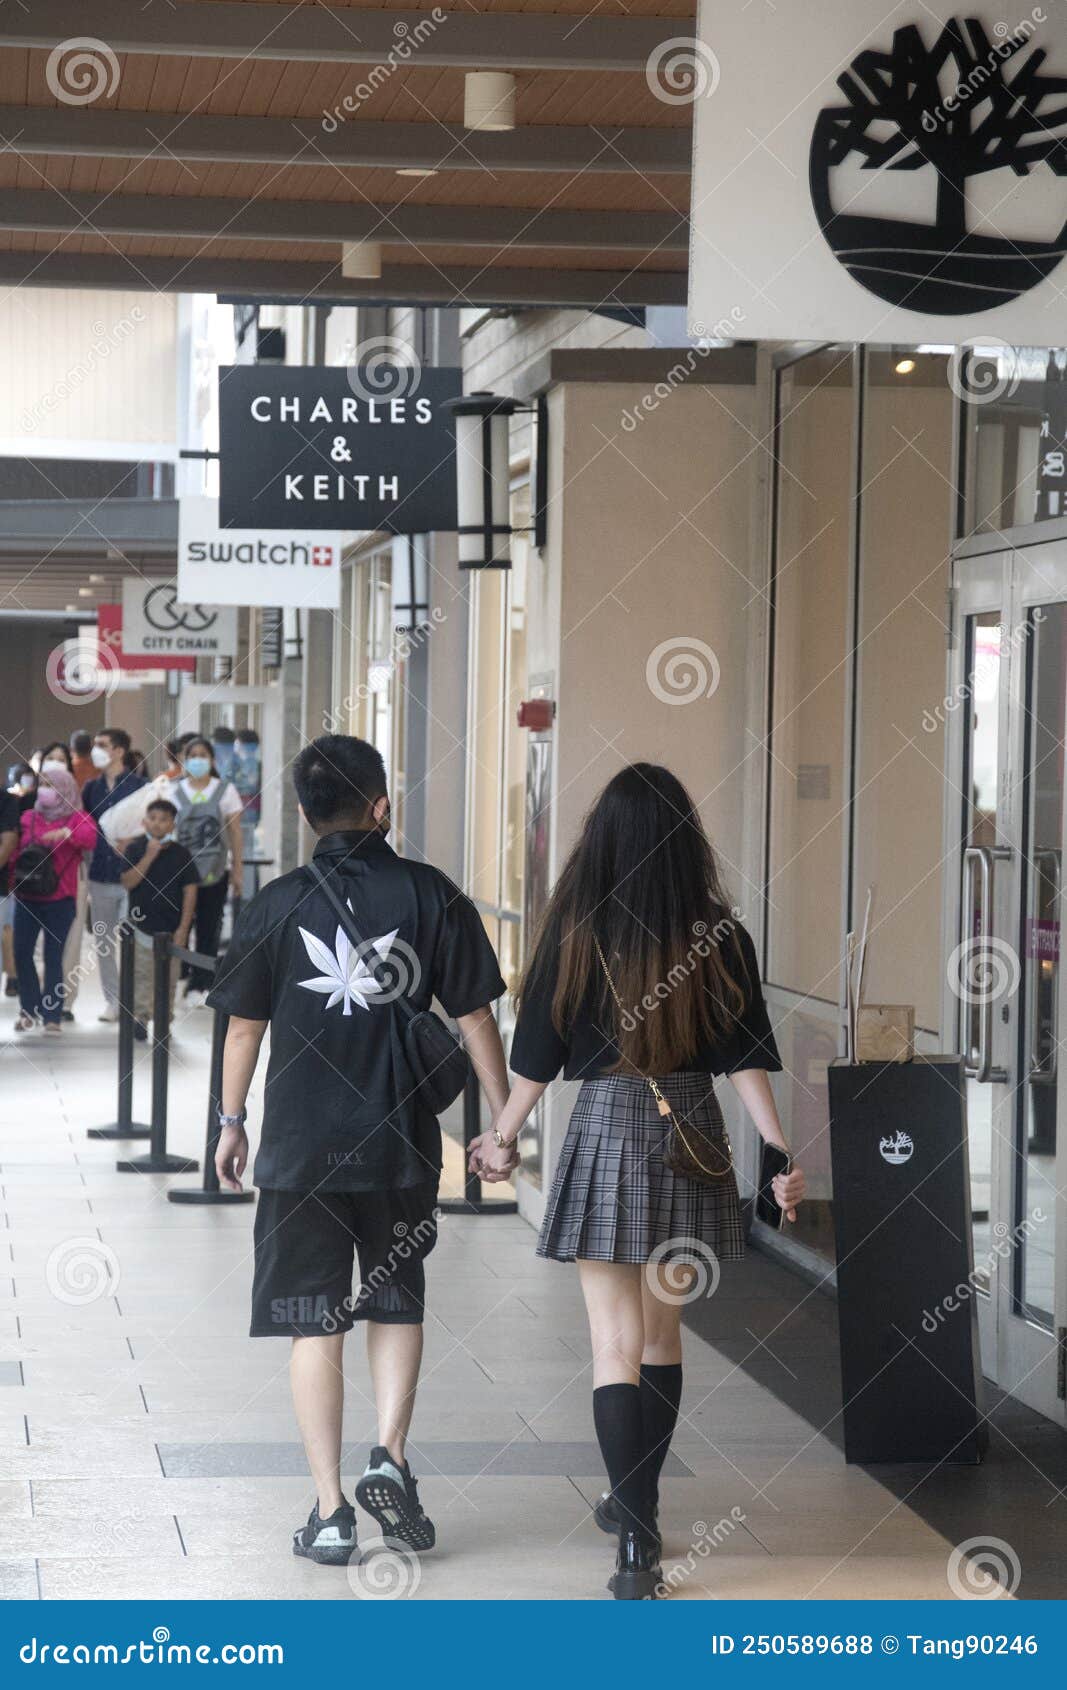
{"points": [[44, 880]]}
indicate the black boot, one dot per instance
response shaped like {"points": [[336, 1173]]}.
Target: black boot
{"points": [[637, 1574], [606, 1515]]}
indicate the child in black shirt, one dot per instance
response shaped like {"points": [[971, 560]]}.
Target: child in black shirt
{"points": [[162, 882]]}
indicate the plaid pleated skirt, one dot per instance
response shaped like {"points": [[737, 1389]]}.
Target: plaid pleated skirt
{"points": [[614, 1199]]}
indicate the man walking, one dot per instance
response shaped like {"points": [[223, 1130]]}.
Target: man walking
{"points": [[107, 898], [349, 1157]]}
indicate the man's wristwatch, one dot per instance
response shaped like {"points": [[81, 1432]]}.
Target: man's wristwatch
{"points": [[237, 1120]]}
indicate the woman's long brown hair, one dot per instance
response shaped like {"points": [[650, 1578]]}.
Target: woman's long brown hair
{"points": [[644, 883]]}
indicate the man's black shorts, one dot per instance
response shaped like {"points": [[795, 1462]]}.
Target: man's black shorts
{"points": [[306, 1243]]}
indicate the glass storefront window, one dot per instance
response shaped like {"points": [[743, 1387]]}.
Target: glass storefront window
{"points": [[906, 510], [807, 735], [855, 767], [1015, 436]]}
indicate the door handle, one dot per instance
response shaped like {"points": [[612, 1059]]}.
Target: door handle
{"points": [[1045, 866], [978, 863]]}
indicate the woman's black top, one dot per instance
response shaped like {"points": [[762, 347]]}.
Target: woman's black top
{"points": [[588, 1048]]}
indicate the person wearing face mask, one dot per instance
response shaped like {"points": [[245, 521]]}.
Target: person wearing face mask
{"points": [[58, 755], [107, 897], [209, 826], [53, 757], [52, 837], [10, 817]]}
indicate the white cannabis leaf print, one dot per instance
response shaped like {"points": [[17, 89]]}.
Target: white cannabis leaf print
{"points": [[345, 976]]}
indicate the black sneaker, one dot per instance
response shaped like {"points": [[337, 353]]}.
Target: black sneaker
{"points": [[391, 1496], [68, 1015], [606, 1515], [331, 1542], [11, 987], [638, 1574]]}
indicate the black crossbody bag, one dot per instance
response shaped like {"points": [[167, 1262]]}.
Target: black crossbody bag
{"points": [[438, 1063]]}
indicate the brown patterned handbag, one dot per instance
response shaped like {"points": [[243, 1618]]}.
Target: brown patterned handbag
{"points": [[690, 1150]]}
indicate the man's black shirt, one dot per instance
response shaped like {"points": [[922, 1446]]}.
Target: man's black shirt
{"points": [[156, 901], [336, 1115]]}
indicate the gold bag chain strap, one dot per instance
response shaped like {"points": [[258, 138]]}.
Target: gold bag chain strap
{"points": [[661, 1102]]}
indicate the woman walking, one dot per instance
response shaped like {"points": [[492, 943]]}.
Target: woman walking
{"points": [[643, 986], [53, 835], [209, 826]]}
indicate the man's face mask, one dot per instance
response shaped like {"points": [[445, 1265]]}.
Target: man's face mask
{"points": [[100, 756]]}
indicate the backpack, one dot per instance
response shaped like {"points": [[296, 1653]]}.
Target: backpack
{"points": [[34, 874], [201, 829]]}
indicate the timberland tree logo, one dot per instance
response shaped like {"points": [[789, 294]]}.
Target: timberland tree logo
{"points": [[897, 1148], [933, 180]]}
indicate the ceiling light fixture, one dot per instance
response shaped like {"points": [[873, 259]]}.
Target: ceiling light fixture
{"points": [[904, 366], [361, 260], [489, 99]]}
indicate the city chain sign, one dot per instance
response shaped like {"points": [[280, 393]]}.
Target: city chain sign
{"points": [[901, 177], [246, 566], [156, 623], [361, 448]]}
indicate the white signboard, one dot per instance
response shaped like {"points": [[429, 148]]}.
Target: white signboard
{"points": [[156, 623], [255, 565], [872, 171]]}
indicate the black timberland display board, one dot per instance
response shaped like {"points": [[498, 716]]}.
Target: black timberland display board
{"points": [[908, 1313]]}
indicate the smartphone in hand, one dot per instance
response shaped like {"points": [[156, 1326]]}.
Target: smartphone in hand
{"points": [[772, 1163]]}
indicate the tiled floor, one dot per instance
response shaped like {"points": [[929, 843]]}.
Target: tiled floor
{"points": [[147, 1448]]}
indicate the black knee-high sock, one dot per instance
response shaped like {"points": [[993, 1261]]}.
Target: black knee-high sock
{"points": [[661, 1393], [620, 1430]]}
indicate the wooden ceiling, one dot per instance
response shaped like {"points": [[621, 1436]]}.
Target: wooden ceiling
{"points": [[218, 151]]}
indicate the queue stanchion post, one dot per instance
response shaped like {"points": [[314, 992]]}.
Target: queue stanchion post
{"points": [[158, 1161], [210, 1191], [124, 1126], [472, 1202]]}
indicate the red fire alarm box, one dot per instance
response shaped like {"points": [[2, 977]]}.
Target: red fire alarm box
{"points": [[536, 713]]}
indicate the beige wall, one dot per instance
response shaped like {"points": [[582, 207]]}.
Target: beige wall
{"points": [[655, 548], [30, 714], [650, 540], [87, 366]]}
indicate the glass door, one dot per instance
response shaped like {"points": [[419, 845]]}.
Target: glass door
{"points": [[1010, 691]]}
